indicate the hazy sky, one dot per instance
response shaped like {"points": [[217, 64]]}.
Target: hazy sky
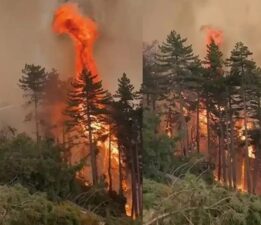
{"points": [[27, 37], [239, 19]]}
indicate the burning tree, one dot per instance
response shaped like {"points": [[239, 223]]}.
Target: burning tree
{"points": [[88, 103], [244, 71], [217, 98], [127, 117], [176, 63], [86, 109]]}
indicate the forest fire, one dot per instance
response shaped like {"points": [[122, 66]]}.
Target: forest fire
{"points": [[83, 32]]}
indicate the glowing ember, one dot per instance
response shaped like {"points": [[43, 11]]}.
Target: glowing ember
{"points": [[82, 30]]}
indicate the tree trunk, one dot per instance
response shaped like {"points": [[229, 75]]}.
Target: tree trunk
{"points": [[257, 152], [92, 151], [219, 158], [109, 163], [224, 162], [36, 120], [138, 183], [229, 157], [232, 150], [184, 128], [198, 126], [208, 131], [256, 170], [247, 168], [120, 171], [134, 210]]}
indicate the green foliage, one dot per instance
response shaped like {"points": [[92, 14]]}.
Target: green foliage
{"points": [[99, 201], [33, 83], [125, 91], [37, 167], [157, 148], [19, 207], [195, 164], [40, 168], [192, 201]]}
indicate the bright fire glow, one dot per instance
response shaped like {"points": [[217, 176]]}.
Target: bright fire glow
{"points": [[83, 32], [241, 186], [203, 122], [240, 123], [213, 34]]}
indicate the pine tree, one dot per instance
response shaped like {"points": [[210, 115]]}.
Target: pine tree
{"points": [[87, 110], [244, 68], [33, 82], [213, 70], [128, 122], [150, 87], [55, 93], [175, 61]]}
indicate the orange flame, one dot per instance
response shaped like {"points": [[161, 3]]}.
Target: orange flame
{"points": [[213, 34], [82, 30]]}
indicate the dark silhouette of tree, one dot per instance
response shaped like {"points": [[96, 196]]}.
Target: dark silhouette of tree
{"points": [[33, 82], [127, 116]]}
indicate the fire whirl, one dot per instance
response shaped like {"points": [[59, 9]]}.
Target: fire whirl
{"points": [[83, 32]]}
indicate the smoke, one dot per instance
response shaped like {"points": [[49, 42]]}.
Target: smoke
{"points": [[27, 37], [238, 19]]}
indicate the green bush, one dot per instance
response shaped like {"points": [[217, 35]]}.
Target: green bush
{"points": [[37, 167], [19, 207], [191, 200]]}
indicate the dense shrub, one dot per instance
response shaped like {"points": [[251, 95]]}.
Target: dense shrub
{"points": [[192, 201], [37, 167], [19, 207]]}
